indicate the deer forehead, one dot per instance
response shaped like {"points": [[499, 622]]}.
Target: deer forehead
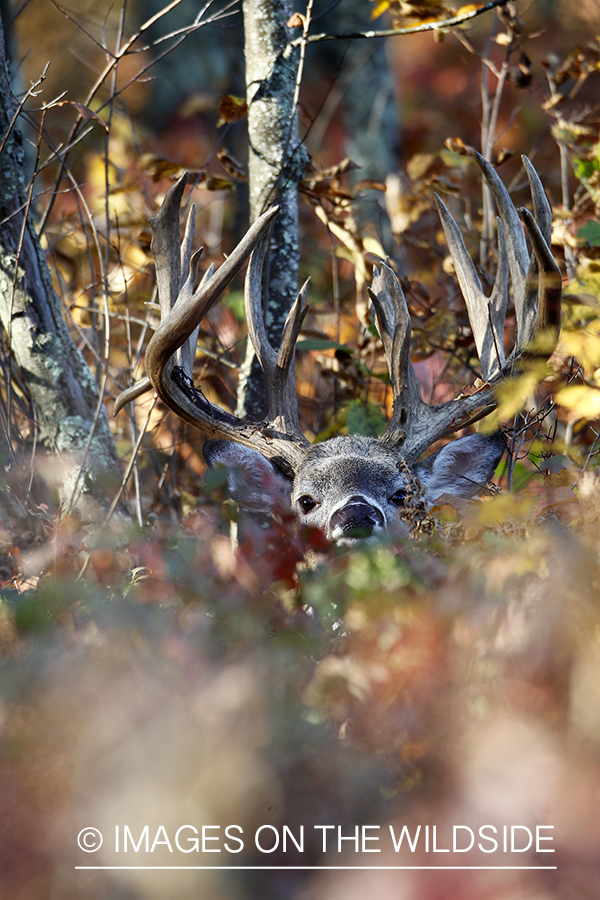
{"points": [[367, 468]]}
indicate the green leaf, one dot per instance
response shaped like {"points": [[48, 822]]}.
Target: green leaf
{"points": [[365, 418], [556, 463], [590, 233], [585, 168], [322, 344], [234, 301]]}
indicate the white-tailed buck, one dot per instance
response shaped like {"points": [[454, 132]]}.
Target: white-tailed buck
{"points": [[353, 486]]}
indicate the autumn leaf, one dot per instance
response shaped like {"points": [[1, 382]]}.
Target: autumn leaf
{"points": [[85, 112], [231, 165], [296, 21], [458, 146], [584, 345], [468, 8], [503, 509], [373, 246], [381, 7], [215, 183], [342, 168], [514, 394], [231, 109], [582, 400], [369, 184], [425, 10], [158, 168]]}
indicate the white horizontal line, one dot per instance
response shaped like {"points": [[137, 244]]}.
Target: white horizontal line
{"points": [[317, 868]]}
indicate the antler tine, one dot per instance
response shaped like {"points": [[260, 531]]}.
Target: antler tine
{"points": [[544, 282], [518, 257], [529, 276], [170, 352], [284, 392], [486, 316], [191, 307], [257, 331], [166, 246], [536, 288], [186, 252], [538, 299], [541, 208], [414, 425], [392, 319], [280, 376], [185, 355], [165, 243]]}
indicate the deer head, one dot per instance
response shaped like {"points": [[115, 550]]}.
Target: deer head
{"points": [[353, 486]]}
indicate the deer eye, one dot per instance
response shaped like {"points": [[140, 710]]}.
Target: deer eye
{"points": [[306, 503], [398, 498]]}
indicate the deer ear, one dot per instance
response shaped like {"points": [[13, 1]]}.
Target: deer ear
{"points": [[462, 467], [251, 478]]}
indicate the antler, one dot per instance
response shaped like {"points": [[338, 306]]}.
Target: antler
{"points": [[536, 284], [170, 353], [415, 425]]}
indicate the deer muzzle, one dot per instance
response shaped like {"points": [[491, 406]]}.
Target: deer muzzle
{"points": [[356, 519]]}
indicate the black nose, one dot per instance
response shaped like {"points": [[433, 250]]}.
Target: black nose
{"points": [[356, 519]]}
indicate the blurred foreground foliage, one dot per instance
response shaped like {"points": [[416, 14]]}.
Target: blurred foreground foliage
{"points": [[206, 667], [182, 679]]}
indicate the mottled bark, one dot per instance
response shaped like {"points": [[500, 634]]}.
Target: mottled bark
{"points": [[61, 385], [276, 164]]}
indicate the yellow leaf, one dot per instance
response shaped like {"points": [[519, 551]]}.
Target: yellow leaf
{"points": [[582, 400], [216, 183], [514, 393], [369, 184], [505, 508], [584, 346], [418, 165], [372, 245], [380, 8], [157, 167]]}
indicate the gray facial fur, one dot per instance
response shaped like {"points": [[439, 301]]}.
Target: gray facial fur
{"points": [[354, 487]]}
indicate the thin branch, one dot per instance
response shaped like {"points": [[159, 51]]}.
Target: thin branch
{"points": [[78, 25], [30, 93], [394, 32], [131, 464], [124, 49]]}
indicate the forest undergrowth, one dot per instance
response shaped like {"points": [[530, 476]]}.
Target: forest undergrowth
{"points": [[167, 658]]}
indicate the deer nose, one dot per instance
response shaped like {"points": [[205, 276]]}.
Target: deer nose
{"points": [[355, 519]]}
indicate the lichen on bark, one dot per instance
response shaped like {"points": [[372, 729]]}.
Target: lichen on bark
{"points": [[277, 162], [60, 383]]}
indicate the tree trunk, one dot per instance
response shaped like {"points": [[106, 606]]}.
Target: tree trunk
{"points": [[61, 385], [276, 164]]}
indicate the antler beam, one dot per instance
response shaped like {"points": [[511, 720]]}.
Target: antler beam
{"points": [[536, 285], [414, 425], [171, 351]]}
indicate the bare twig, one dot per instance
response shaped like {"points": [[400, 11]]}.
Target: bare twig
{"points": [[30, 93], [124, 49], [395, 32], [131, 464]]}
